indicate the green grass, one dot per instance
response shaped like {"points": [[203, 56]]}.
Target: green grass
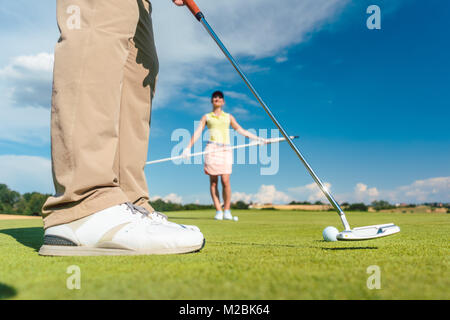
{"points": [[266, 255]]}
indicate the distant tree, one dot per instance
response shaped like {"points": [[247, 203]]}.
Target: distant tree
{"points": [[195, 206], [357, 207], [21, 207], [7, 199], [35, 202], [239, 205], [318, 203], [190, 206], [161, 205], [381, 205], [300, 202]]}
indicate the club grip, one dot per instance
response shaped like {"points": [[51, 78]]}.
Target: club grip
{"points": [[193, 8]]}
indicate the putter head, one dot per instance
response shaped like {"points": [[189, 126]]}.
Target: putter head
{"points": [[369, 232]]}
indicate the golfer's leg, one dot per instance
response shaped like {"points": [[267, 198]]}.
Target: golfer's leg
{"points": [[226, 191], [89, 61], [214, 189], [139, 81]]}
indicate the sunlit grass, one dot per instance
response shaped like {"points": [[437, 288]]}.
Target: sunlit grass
{"points": [[266, 255]]}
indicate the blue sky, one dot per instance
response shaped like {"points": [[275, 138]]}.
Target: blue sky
{"points": [[371, 107]]}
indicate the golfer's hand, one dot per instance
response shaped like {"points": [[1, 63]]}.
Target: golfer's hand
{"points": [[263, 141], [178, 2]]}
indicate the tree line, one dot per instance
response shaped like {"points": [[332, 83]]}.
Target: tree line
{"points": [[12, 202]]}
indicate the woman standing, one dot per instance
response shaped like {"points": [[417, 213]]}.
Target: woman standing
{"points": [[219, 157]]}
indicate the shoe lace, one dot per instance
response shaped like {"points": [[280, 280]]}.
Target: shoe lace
{"points": [[155, 215], [159, 216]]}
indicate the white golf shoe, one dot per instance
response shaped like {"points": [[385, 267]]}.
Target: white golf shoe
{"points": [[219, 215], [227, 215], [120, 230]]}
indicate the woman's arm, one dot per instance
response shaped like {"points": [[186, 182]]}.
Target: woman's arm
{"points": [[242, 131], [197, 134]]}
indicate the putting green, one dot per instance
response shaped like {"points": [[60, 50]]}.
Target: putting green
{"points": [[265, 255]]}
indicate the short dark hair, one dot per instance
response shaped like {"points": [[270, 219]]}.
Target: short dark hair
{"points": [[217, 94]]}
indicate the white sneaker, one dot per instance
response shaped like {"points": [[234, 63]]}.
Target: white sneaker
{"points": [[219, 215], [227, 215], [120, 230]]}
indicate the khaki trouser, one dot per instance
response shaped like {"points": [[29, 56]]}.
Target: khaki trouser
{"points": [[104, 79]]}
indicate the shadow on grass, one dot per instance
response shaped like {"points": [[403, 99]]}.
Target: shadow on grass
{"points": [[351, 248], [345, 248], [6, 291], [258, 244], [30, 237], [252, 244]]}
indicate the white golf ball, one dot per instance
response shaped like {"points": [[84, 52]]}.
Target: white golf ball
{"points": [[329, 234], [235, 218]]}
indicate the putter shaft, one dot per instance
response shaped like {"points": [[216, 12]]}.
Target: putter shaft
{"points": [[327, 194]]}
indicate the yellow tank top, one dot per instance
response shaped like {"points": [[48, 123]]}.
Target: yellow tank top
{"points": [[218, 127]]}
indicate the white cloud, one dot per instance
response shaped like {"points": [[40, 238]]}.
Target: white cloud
{"points": [[39, 66], [241, 196], [364, 194], [265, 194], [172, 197], [428, 190], [40, 62], [255, 28], [27, 81], [26, 173], [310, 192]]}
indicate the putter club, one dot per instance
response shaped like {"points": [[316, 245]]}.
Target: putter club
{"points": [[255, 143], [362, 233]]}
